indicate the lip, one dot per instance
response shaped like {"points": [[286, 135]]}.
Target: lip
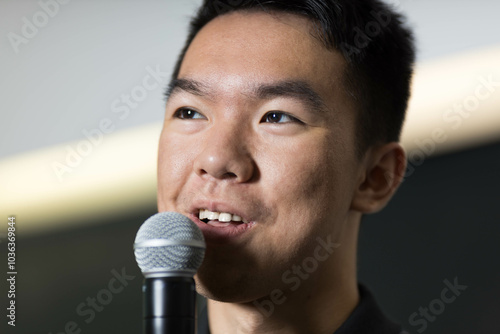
{"points": [[221, 235], [216, 206]]}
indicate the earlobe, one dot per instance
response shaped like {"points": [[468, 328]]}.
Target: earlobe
{"points": [[383, 172]]}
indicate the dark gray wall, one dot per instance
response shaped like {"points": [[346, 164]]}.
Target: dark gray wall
{"points": [[443, 224]]}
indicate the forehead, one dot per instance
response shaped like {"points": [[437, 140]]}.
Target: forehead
{"points": [[248, 48]]}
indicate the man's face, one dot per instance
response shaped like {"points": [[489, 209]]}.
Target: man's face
{"points": [[258, 126]]}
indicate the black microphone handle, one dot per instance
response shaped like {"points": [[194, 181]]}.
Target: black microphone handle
{"points": [[169, 305]]}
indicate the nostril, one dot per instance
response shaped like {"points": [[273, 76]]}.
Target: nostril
{"points": [[223, 164], [226, 175]]}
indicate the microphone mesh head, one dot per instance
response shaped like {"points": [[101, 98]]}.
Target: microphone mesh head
{"points": [[169, 243]]}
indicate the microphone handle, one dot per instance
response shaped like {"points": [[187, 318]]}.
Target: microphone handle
{"points": [[169, 305]]}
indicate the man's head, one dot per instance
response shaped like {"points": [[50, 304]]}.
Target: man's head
{"points": [[378, 50], [265, 121]]}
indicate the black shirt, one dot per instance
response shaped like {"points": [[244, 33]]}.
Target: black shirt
{"points": [[366, 318]]}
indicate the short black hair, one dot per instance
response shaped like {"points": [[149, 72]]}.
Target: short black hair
{"points": [[372, 37]]}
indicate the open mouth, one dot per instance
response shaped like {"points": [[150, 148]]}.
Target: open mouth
{"points": [[221, 227], [220, 218]]}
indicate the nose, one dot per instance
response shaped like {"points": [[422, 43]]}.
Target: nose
{"points": [[225, 155]]}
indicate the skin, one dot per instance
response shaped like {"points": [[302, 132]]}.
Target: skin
{"points": [[287, 165]]}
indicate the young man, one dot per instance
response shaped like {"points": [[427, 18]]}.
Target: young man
{"points": [[281, 130]]}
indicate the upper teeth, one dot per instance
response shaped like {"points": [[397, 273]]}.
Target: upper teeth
{"points": [[220, 216]]}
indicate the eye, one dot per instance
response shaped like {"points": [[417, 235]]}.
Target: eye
{"points": [[279, 117], [188, 113]]}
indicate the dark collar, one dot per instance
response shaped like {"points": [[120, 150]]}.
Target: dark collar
{"points": [[366, 318]]}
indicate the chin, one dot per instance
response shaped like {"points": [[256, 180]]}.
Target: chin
{"points": [[226, 287]]}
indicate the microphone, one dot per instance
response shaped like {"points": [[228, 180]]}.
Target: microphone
{"points": [[169, 248]]}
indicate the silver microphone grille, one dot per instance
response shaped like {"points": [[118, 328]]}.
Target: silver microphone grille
{"points": [[169, 244]]}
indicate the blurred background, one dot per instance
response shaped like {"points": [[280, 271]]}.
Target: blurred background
{"points": [[81, 86]]}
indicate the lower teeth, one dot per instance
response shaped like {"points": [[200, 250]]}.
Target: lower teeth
{"points": [[206, 221]]}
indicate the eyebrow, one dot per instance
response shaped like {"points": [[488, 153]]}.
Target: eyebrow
{"points": [[299, 90], [188, 85], [296, 89]]}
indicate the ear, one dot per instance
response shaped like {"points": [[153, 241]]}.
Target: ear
{"points": [[384, 168]]}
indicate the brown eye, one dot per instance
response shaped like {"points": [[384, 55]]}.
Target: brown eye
{"points": [[187, 113], [278, 117], [274, 117]]}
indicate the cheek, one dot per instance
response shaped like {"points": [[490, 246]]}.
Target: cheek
{"points": [[309, 186], [174, 165], [303, 175], [299, 186]]}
